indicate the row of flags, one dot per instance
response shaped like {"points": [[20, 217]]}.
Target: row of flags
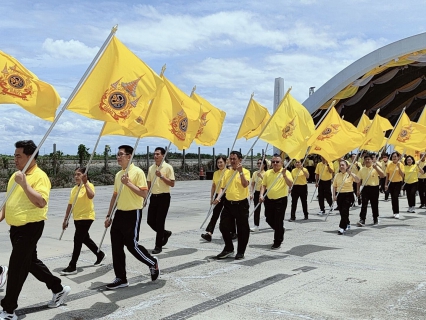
{"points": [[133, 100]]}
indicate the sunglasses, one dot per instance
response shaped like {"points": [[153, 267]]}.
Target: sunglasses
{"points": [[275, 162]]}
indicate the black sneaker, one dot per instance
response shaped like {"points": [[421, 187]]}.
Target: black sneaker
{"points": [[234, 236], [157, 250], [306, 217], [155, 270], [361, 223], [117, 283], [276, 246], [224, 254], [291, 219], [100, 259], [239, 256], [167, 235], [68, 270], [206, 236]]}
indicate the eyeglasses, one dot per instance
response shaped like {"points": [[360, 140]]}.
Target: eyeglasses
{"points": [[275, 162], [259, 163], [120, 154]]}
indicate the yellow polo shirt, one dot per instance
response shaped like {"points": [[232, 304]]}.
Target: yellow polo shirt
{"points": [[83, 208], [397, 177], [355, 169], [301, 179], [128, 200], [160, 186], [322, 171], [411, 174], [19, 209], [218, 176], [422, 165], [257, 180], [280, 189], [373, 178], [347, 185], [235, 190]]}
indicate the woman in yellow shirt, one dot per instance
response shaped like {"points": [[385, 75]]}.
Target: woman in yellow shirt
{"points": [[299, 190], [84, 215], [411, 171], [343, 193], [394, 175], [255, 185]]}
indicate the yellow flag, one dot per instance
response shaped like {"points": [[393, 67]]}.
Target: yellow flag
{"points": [[416, 154], [254, 120], [384, 123], [290, 127], [20, 86], [119, 87], [373, 140], [364, 124], [211, 122], [334, 137], [409, 135]]}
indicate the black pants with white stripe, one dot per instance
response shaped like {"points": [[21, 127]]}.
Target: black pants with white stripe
{"points": [[125, 232]]}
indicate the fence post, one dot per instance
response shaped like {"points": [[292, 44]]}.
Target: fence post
{"points": [[147, 158], [228, 153], [54, 159], [214, 161], [251, 160], [183, 160]]}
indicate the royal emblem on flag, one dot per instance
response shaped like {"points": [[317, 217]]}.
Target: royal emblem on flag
{"points": [[289, 129], [405, 133], [179, 125], [120, 98], [203, 122], [365, 131], [328, 132], [15, 83]]}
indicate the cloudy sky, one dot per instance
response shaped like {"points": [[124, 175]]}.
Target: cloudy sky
{"points": [[228, 49]]}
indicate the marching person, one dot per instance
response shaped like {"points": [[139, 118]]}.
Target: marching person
{"points": [[127, 219], [323, 176], [343, 184], [394, 174], [84, 215], [411, 179], [384, 164], [369, 176], [159, 203], [3, 276], [299, 190], [235, 207], [422, 182], [277, 198], [25, 212], [256, 184], [356, 166]]}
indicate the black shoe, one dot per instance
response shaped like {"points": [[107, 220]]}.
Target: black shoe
{"points": [[239, 256], [100, 259], [276, 246], [155, 270], [68, 270], [361, 223], [117, 283], [306, 217], [167, 235], [207, 236], [224, 254], [234, 236], [156, 250], [291, 219]]}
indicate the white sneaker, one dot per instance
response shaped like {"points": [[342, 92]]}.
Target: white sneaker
{"points": [[3, 276], [59, 298], [254, 229], [321, 213], [341, 231], [8, 316], [396, 216], [348, 227]]}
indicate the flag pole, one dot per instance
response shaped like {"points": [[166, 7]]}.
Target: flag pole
{"points": [[361, 119], [67, 218], [74, 92], [393, 129], [255, 184], [236, 136]]}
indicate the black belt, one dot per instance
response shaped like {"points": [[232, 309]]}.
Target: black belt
{"points": [[235, 202], [160, 194]]}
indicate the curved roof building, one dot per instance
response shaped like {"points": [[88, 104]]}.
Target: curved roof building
{"points": [[389, 79]]}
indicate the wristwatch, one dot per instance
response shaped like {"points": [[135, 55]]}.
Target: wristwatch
{"points": [[161, 177], [241, 173]]}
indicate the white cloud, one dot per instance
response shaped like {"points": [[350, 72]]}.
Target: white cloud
{"points": [[72, 49]]}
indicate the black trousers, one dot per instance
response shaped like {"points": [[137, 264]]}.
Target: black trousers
{"points": [[311, 170], [422, 191], [299, 191], [23, 260], [411, 189], [370, 194], [382, 185], [125, 232], [344, 201], [81, 236], [157, 212], [324, 192], [215, 216], [275, 212], [394, 190], [235, 212], [257, 211]]}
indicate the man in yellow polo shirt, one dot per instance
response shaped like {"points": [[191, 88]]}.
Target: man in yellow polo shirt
{"points": [[159, 204], [25, 212], [276, 204], [369, 176], [127, 219], [323, 176], [235, 207], [422, 182]]}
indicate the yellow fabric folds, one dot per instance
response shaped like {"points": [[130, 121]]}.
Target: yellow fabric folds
{"points": [[254, 120]]}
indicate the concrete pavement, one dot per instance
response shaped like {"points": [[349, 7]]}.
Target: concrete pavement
{"points": [[368, 273]]}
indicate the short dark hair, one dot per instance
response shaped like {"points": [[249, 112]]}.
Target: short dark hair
{"points": [[83, 171], [237, 153], [406, 158], [162, 150], [28, 146], [369, 155], [218, 158], [395, 152], [126, 148]]}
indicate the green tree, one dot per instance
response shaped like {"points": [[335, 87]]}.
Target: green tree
{"points": [[83, 154]]}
